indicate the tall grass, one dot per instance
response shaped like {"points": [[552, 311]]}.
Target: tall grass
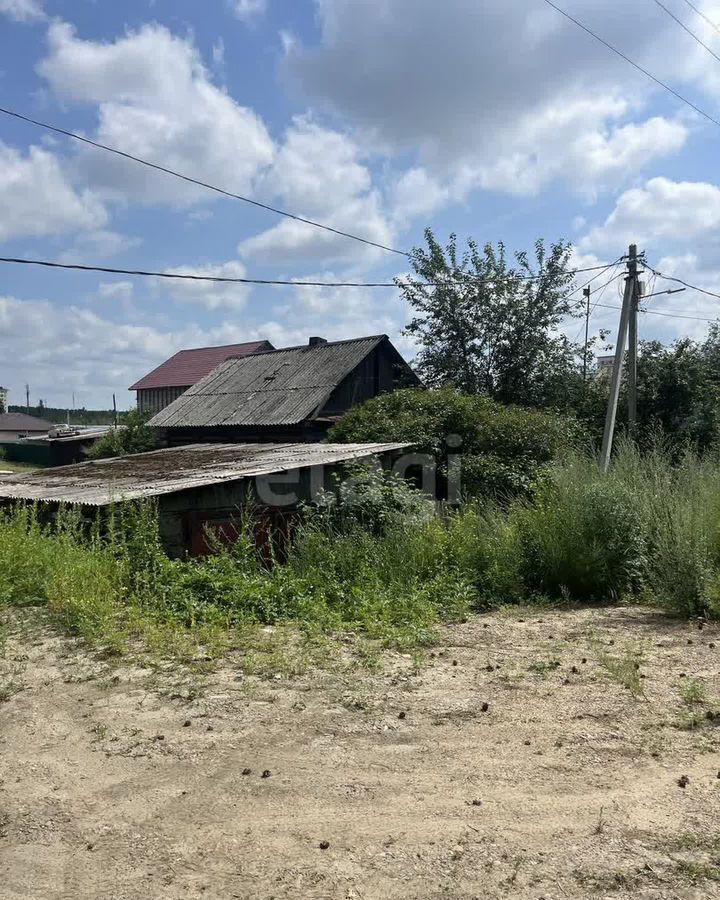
{"points": [[649, 529]]}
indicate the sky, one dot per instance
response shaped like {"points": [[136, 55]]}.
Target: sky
{"points": [[498, 120]]}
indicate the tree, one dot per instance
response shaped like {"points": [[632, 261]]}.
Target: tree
{"points": [[134, 436], [488, 327]]}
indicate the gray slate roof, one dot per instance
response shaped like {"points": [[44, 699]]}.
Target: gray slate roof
{"points": [[101, 482], [15, 421], [281, 387]]}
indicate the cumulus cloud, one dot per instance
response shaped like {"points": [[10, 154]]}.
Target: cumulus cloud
{"points": [[320, 174], [38, 199], [64, 349], [22, 10], [59, 350], [98, 245], [156, 100], [208, 294], [248, 10], [660, 210], [485, 114], [115, 290]]}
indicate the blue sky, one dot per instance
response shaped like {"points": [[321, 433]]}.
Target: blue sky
{"points": [[498, 120]]}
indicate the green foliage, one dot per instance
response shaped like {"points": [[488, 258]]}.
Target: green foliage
{"points": [[504, 450], [583, 538], [134, 437], [368, 496], [485, 326], [384, 568]]}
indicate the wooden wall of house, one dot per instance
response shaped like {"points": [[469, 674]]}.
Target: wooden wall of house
{"points": [[378, 373], [152, 400], [303, 433]]}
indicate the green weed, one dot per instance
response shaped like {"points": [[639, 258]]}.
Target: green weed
{"points": [[692, 691], [622, 665]]}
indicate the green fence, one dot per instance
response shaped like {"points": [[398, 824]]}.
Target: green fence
{"points": [[35, 454]]}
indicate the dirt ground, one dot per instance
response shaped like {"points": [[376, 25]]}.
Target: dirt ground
{"points": [[536, 754]]}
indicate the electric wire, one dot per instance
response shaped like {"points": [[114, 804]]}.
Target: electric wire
{"points": [[635, 65], [688, 30], [197, 181], [667, 315], [703, 16], [601, 291], [686, 284], [110, 270]]}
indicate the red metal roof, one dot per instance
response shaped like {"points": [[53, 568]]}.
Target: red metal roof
{"points": [[187, 367]]}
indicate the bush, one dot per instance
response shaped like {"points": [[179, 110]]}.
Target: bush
{"points": [[134, 436], [504, 449], [366, 495], [584, 538], [682, 507]]}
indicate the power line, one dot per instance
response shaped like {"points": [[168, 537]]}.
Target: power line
{"points": [[227, 280], [702, 15], [198, 182], [634, 64], [686, 29], [192, 277], [667, 315], [599, 269], [601, 291], [686, 284]]}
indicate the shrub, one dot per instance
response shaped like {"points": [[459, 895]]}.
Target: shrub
{"points": [[584, 538], [134, 436], [682, 507], [504, 449], [366, 495]]}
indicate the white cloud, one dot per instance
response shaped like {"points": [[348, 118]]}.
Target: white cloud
{"points": [[59, 350], [319, 174], [249, 10], [98, 245], [660, 210], [209, 294], [156, 100], [115, 290], [417, 193], [38, 199], [218, 54], [22, 10], [486, 113]]}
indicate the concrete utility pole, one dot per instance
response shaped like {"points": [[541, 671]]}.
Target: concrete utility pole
{"points": [[586, 292], [627, 316]]}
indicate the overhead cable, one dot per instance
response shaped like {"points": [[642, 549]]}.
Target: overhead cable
{"points": [[196, 181], [110, 270], [688, 30], [635, 65]]}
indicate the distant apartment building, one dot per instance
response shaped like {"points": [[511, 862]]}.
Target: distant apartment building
{"points": [[3, 399], [604, 365]]}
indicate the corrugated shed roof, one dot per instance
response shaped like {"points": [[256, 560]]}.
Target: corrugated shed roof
{"points": [[283, 387], [23, 422], [189, 366], [101, 482]]}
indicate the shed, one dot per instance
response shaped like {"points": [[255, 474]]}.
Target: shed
{"points": [[199, 487], [294, 394]]}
